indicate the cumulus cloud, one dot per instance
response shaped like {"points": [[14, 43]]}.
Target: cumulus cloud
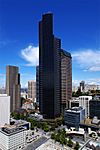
{"points": [[95, 81], [88, 59], [31, 55], [2, 75]]}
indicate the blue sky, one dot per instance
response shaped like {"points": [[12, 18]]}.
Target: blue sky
{"points": [[76, 22]]}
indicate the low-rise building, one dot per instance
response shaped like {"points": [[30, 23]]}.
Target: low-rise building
{"points": [[73, 116], [36, 116], [12, 137], [28, 105], [20, 123]]}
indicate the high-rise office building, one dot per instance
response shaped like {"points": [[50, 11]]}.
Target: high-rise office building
{"points": [[82, 86], [32, 90], [49, 69], [37, 84], [84, 102], [66, 79], [4, 109], [13, 87], [94, 107]]}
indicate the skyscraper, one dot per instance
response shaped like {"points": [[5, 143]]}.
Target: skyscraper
{"points": [[66, 79], [13, 86], [32, 90], [82, 86], [37, 84], [49, 69], [4, 109]]}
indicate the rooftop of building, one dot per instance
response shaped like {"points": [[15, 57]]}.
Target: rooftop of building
{"points": [[85, 96], [74, 109], [66, 53], [11, 129], [18, 122], [91, 122], [31, 81], [4, 95], [96, 98]]}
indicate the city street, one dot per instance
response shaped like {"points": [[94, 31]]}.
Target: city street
{"points": [[36, 143]]}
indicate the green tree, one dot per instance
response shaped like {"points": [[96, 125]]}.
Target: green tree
{"points": [[77, 146], [53, 136], [70, 143]]}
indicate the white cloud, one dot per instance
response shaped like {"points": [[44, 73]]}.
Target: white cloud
{"points": [[76, 82], [31, 55], [88, 59], [2, 75], [95, 81]]}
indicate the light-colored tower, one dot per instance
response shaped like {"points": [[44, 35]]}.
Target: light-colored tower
{"points": [[32, 90], [84, 102], [13, 87], [4, 109]]}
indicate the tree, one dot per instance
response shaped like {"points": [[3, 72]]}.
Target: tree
{"points": [[53, 136], [70, 143], [62, 139], [77, 146], [16, 115], [63, 131], [60, 136]]}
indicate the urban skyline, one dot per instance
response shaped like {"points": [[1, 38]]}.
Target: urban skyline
{"points": [[45, 46], [19, 36]]}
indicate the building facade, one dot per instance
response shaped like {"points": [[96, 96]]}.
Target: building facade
{"points": [[94, 108], [82, 86], [32, 90], [84, 102], [4, 109], [37, 84], [13, 86], [66, 79], [73, 116], [49, 69], [12, 138]]}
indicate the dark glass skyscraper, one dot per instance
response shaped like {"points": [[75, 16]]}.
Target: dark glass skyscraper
{"points": [[49, 69]]}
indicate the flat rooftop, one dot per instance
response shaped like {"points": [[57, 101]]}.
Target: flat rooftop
{"points": [[74, 109], [11, 129], [4, 95]]}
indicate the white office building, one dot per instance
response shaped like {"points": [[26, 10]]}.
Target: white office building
{"points": [[84, 102], [4, 109], [12, 137]]}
